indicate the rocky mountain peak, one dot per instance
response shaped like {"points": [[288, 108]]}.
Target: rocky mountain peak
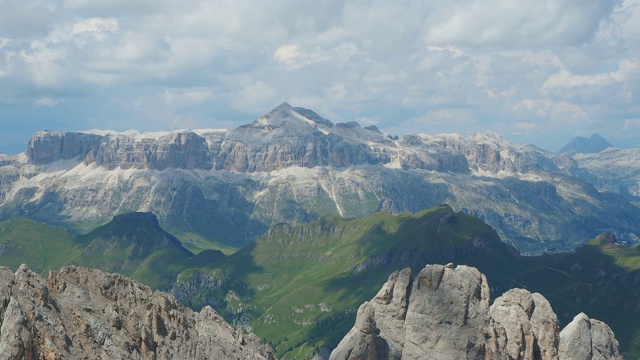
{"points": [[285, 114], [78, 313], [444, 312], [582, 145]]}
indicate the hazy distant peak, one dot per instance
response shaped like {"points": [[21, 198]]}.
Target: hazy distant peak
{"points": [[285, 112], [594, 144]]}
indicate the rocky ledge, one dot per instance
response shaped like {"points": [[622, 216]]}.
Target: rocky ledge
{"points": [[444, 313], [88, 314]]}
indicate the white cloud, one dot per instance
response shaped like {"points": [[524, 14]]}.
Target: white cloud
{"points": [[255, 96], [47, 102], [412, 66], [565, 79], [188, 96], [519, 24], [287, 53], [632, 124], [554, 113], [96, 25]]}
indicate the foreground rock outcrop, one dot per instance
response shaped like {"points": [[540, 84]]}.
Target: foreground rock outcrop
{"points": [[444, 313], [83, 313]]}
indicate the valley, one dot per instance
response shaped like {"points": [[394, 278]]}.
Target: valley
{"points": [[298, 286]]}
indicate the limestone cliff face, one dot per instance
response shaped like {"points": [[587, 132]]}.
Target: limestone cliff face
{"points": [[48, 146], [444, 313], [176, 150], [490, 153], [83, 313], [285, 137], [291, 165]]}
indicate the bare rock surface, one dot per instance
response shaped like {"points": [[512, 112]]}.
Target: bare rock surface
{"points": [[531, 326], [588, 339], [444, 312], [310, 167], [83, 313]]}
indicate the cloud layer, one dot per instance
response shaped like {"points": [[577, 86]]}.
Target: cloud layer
{"points": [[534, 71]]}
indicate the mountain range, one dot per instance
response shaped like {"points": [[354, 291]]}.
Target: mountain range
{"points": [[222, 189]]}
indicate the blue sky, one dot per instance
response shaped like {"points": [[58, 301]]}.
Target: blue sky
{"points": [[534, 71]]}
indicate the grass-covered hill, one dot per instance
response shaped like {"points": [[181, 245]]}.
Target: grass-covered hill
{"points": [[131, 244], [299, 286], [41, 246]]}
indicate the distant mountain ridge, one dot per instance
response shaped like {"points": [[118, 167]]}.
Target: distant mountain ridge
{"points": [[582, 145], [285, 137], [292, 165]]}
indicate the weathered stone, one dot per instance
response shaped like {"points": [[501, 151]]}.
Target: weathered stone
{"points": [[83, 313], [531, 326], [588, 339], [444, 313]]}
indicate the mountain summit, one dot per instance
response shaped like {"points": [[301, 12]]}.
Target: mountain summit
{"points": [[582, 145]]}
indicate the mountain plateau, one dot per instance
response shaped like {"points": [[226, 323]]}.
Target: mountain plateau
{"points": [[292, 165]]}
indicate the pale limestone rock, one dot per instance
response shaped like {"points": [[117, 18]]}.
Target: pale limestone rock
{"points": [[444, 313], [587, 339], [447, 314], [83, 313], [363, 341], [530, 324]]}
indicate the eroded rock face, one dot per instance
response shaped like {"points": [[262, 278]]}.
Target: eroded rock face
{"points": [[529, 323], [83, 313], [444, 313], [585, 338], [311, 167]]}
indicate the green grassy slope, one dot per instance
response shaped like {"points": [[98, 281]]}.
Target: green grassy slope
{"points": [[131, 244], [299, 286], [42, 247]]}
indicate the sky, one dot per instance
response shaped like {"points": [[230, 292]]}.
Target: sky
{"points": [[533, 71]]}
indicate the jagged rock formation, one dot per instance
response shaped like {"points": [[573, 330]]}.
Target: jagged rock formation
{"points": [[83, 313], [292, 165], [444, 313]]}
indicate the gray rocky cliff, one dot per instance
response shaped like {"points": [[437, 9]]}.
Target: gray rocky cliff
{"points": [[444, 313], [83, 313], [285, 137], [176, 150], [48, 146], [291, 165]]}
